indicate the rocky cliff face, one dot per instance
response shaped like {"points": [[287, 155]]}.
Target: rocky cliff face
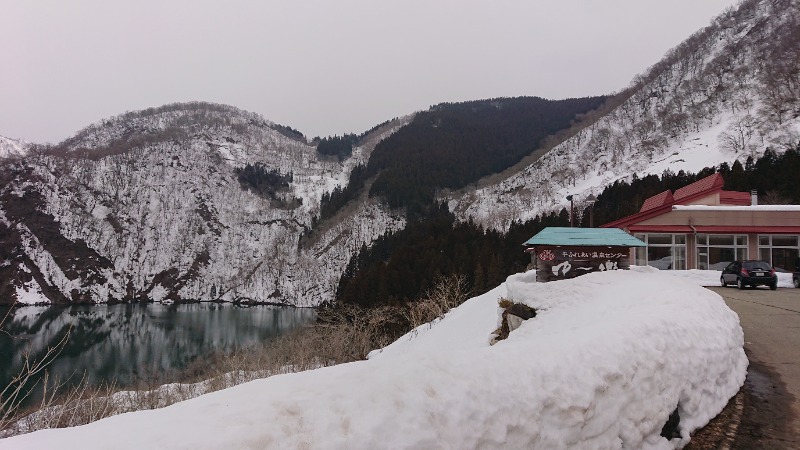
{"points": [[148, 206], [728, 92]]}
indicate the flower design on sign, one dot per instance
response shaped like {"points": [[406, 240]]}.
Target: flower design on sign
{"points": [[547, 255]]}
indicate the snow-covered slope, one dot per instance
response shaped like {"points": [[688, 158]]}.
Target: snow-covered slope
{"points": [[728, 92], [603, 365], [147, 205], [12, 147]]}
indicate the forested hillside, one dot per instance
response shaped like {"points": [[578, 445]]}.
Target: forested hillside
{"points": [[400, 266], [454, 144]]}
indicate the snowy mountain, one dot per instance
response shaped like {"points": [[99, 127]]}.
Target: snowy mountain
{"points": [[728, 92], [147, 205]]}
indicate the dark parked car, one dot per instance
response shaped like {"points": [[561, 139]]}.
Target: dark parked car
{"points": [[796, 275], [749, 273]]}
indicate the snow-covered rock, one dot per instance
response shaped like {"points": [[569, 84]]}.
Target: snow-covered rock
{"points": [[604, 363]]}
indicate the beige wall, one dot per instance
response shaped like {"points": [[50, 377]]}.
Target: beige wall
{"points": [[709, 200]]}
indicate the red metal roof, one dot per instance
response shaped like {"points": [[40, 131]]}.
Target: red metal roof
{"points": [[657, 200], [706, 185], [684, 195], [735, 198]]}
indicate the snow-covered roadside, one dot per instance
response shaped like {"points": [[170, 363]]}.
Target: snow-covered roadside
{"points": [[711, 277], [606, 361]]}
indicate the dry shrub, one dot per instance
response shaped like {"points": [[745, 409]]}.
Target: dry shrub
{"points": [[21, 386], [448, 292]]}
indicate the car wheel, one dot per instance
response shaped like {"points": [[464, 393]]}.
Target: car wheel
{"points": [[722, 282], [774, 286], [739, 283], [797, 283]]}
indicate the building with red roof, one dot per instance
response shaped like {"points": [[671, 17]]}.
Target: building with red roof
{"points": [[702, 226]]}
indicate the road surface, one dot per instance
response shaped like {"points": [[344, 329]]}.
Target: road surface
{"points": [[771, 394]]}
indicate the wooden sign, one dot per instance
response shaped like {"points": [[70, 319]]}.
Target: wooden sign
{"points": [[560, 263]]}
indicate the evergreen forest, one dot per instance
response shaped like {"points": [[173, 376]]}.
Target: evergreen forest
{"points": [[262, 181], [339, 146]]}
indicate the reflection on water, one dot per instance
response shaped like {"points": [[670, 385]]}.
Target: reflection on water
{"points": [[121, 342]]}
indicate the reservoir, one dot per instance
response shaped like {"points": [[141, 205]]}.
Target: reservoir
{"points": [[124, 342]]}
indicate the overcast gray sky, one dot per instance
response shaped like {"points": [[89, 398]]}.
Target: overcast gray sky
{"points": [[321, 66]]}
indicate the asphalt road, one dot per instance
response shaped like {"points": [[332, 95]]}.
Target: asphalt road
{"points": [[771, 324]]}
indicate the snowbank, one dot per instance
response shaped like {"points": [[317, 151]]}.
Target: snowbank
{"points": [[711, 277], [607, 359]]}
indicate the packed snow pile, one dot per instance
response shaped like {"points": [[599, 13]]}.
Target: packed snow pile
{"points": [[604, 363]]}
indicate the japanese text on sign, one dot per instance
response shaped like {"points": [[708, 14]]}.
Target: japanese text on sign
{"points": [[600, 255]]}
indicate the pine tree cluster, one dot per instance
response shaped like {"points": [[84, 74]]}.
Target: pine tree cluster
{"points": [[263, 181]]}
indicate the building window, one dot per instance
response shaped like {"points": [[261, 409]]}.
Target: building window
{"points": [[715, 251], [780, 250], [663, 251]]}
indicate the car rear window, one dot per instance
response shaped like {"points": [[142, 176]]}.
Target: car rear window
{"points": [[757, 265]]}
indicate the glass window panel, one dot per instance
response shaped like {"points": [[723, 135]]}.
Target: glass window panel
{"points": [[783, 258], [702, 239], [659, 257], [663, 239], [641, 256], [680, 238], [718, 258], [784, 241], [765, 254], [741, 240], [702, 258], [680, 258], [720, 240], [756, 265], [741, 254], [641, 237], [763, 240]]}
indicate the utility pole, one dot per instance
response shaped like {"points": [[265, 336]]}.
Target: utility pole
{"points": [[591, 199]]}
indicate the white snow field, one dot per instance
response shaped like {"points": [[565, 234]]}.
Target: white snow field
{"points": [[605, 362]]}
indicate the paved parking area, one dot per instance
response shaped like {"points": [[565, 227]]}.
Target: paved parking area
{"points": [[771, 324]]}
